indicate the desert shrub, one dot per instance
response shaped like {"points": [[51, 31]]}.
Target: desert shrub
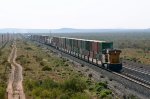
{"points": [[90, 75], [134, 59], [24, 42], [100, 86], [88, 81], [132, 97], [7, 65], [42, 63], [64, 60], [36, 91], [46, 68], [3, 77], [43, 88], [91, 88], [101, 89], [2, 92], [28, 69], [105, 93], [49, 84], [21, 56], [4, 61], [57, 65], [0, 52], [65, 96], [30, 84], [56, 92], [75, 85], [58, 62], [38, 58], [28, 48], [66, 64], [80, 96], [45, 93], [104, 84], [23, 59]]}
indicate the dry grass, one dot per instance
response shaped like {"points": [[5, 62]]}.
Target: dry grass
{"points": [[40, 64], [35, 60], [4, 68], [136, 55]]}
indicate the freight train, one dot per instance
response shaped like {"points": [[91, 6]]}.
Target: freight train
{"points": [[100, 53]]}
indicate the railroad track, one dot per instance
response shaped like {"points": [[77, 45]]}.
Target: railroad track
{"points": [[134, 79], [14, 87], [137, 78], [138, 74], [127, 80], [138, 70]]}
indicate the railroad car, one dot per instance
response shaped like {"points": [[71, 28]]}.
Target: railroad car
{"points": [[100, 53]]}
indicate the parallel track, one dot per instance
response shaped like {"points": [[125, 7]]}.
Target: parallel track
{"points": [[127, 76], [137, 74], [138, 70], [134, 79]]}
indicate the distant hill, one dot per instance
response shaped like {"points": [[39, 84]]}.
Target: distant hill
{"points": [[71, 30], [15, 30]]}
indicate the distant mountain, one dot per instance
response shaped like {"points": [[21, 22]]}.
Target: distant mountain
{"points": [[72, 30], [15, 30]]}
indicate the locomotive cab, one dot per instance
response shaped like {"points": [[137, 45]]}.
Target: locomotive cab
{"points": [[111, 59]]}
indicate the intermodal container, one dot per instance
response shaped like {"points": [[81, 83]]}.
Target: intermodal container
{"points": [[83, 44], [79, 46], [55, 41], [85, 52], [94, 54], [107, 45], [76, 43], [98, 56], [104, 45], [64, 43], [87, 45], [79, 43], [69, 45], [95, 46], [91, 54]]}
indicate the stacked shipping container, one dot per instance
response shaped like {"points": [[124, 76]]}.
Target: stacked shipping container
{"points": [[91, 48]]}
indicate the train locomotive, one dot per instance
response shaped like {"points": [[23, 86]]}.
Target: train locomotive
{"points": [[100, 53]]}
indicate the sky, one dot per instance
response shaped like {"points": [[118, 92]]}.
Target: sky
{"points": [[87, 14]]}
